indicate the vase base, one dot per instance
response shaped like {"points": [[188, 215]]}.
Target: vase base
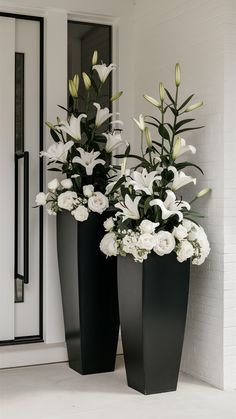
{"points": [[152, 390], [90, 370]]}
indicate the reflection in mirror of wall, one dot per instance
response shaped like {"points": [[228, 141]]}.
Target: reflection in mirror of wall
{"points": [[83, 39]]}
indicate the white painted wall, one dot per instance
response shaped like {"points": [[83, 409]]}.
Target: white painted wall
{"points": [[201, 36]]}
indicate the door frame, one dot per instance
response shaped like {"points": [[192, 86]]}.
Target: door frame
{"points": [[39, 337]]}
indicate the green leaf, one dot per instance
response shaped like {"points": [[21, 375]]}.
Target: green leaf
{"points": [[152, 117], [133, 156], [174, 111], [54, 169], [163, 132], [184, 164], [64, 109], [170, 97], [118, 184], [153, 124], [183, 122], [185, 102], [146, 204], [55, 136], [94, 85], [188, 129]]}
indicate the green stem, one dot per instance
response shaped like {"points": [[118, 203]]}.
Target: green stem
{"points": [[175, 120], [142, 144], [162, 139]]}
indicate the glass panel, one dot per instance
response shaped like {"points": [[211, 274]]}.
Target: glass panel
{"points": [[83, 39], [19, 102], [19, 149]]}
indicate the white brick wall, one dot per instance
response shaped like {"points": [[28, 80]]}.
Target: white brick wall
{"points": [[229, 196], [200, 35]]}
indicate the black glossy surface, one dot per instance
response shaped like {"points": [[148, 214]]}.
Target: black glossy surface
{"points": [[153, 300], [89, 294]]}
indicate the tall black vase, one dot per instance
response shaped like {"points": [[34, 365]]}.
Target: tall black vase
{"points": [[89, 294], [153, 298]]}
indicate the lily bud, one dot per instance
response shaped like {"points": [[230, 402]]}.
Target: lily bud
{"points": [[87, 81], [203, 192], [162, 91], [76, 81], [116, 96], [176, 148], [192, 107], [95, 57], [177, 74], [72, 89], [123, 166], [50, 125], [148, 137], [152, 101]]}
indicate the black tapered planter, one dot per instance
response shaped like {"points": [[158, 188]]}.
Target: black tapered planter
{"points": [[153, 298], [89, 294]]}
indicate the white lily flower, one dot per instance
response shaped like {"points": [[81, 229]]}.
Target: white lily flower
{"points": [[114, 140], [73, 127], [88, 159], [102, 115], [129, 208], [170, 206], [180, 148], [103, 70], [140, 122], [144, 181], [180, 179], [57, 151]]}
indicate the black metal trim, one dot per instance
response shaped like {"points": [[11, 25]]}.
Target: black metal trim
{"points": [[22, 340], [36, 338]]}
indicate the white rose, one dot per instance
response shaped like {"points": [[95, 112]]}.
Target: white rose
{"points": [[98, 202], [139, 256], [88, 190], [198, 260], [147, 226], [187, 224], [66, 200], [129, 243], [165, 243], [53, 185], [41, 198], [180, 232], [185, 251], [108, 245], [80, 213], [108, 224], [66, 183], [146, 241]]}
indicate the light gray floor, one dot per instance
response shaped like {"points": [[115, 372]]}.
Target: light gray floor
{"points": [[56, 392]]}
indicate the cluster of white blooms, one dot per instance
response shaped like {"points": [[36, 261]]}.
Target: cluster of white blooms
{"points": [[59, 197], [192, 242], [188, 241], [138, 243]]}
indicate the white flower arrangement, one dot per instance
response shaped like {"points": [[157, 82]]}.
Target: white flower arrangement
{"points": [[150, 213], [82, 148]]}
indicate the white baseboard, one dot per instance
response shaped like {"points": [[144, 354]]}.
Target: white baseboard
{"points": [[36, 353], [32, 354]]}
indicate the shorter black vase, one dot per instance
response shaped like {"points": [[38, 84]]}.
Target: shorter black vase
{"points": [[153, 298], [89, 294]]}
